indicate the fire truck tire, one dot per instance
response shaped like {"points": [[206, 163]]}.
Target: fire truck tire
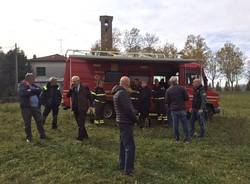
{"points": [[108, 111]]}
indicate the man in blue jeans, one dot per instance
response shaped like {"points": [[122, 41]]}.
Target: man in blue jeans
{"points": [[125, 117], [30, 106], [175, 98], [198, 108]]}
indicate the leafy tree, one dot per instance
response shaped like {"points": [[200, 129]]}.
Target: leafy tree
{"points": [[231, 62], [8, 71], [132, 40], [196, 48], [169, 50]]}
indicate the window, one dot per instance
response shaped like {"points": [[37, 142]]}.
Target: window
{"points": [[191, 75], [159, 78], [40, 71], [113, 77]]}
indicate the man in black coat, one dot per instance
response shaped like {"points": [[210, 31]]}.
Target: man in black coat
{"points": [[30, 106], [125, 117], [51, 99], [81, 101], [144, 104]]}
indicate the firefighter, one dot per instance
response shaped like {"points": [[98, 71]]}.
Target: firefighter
{"points": [[51, 99], [135, 94], [158, 94], [99, 103], [144, 104]]}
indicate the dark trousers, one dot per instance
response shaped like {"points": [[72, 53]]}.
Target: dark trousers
{"points": [[127, 148], [136, 105], [176, 117], [46, 112], [144, 114], [196, 115], [27, 114], [160, 107], [80, 119], [99, 111]]}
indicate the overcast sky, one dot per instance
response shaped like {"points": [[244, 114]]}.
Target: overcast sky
{"points": [[38, 25]]}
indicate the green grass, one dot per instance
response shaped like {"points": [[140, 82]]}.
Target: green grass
{"points": [[222, 157]]}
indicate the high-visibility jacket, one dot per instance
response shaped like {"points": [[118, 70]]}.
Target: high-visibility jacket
{"points": [[135, 94], [158, 93], [99, 95], [51, 96]]}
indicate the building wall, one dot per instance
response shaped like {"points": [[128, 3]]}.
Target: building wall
{"points": [[55, 69]]}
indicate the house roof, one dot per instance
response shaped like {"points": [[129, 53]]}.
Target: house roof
{"points": [[50, 58]]}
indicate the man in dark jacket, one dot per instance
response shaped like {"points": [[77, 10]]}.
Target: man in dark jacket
{"points": [[51, 99], [30, 106], [99, 102], [198, 107], [144, 104], [125, 117], [175, 97], [81, 101]]}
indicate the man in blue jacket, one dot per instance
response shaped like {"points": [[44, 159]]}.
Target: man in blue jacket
{"points": [[30, 106], [125, 117], [175, 98]]}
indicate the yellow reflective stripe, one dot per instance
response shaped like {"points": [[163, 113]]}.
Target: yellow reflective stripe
{"points": [[152, 114], [45, 87], [161, 98], [98, 101], [132, 98], [100, 94], [93, 93]]}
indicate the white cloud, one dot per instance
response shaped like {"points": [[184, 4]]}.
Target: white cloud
{"points": [[37, 25]]}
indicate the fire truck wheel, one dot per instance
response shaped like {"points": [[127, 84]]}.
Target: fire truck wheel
{"points": [[108, 111]]}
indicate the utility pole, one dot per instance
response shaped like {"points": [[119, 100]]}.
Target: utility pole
{"points": [[16, 61], [61, 42]]}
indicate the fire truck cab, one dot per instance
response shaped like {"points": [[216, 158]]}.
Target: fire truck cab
{"points": [[91, 66]]}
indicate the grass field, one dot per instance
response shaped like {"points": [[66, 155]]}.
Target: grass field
{"points": [[223, 157]]}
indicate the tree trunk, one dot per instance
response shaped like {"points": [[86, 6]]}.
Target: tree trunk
{"points": [[212, 83]]}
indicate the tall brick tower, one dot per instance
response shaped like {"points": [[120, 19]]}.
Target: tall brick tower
{"points": [[106, 32]]}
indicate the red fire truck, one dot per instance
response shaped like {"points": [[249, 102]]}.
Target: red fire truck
{"points": [[110, 66]]}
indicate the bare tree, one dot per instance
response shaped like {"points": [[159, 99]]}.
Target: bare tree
{"points": [[196, 48], [169, 50], [150, 41], [212, 68], [96, 46], [132, 40], [231, 62], [116, 39]]}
